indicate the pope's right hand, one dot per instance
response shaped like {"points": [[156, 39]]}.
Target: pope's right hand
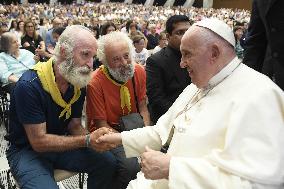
{"points": [[100, 147], [113, 139]]}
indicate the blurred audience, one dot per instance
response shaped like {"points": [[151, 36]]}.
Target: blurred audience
{"points": [[163, 42], [13, 60]]}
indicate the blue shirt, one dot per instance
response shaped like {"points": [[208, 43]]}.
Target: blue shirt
{"points": [[10, 65], [49, 39], [30, 104]]}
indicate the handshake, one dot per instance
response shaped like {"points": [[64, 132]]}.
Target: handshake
{"points": [[154, 164], [103, 139]]}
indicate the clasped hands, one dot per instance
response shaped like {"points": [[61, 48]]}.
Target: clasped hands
{"points": [[154, 164], [104, 138]]}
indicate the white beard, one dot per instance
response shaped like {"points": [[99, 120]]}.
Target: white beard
{"points": [[77, 76], [122, 74]]}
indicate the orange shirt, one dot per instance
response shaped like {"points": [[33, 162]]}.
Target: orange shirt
{"points": [[103, 97]]}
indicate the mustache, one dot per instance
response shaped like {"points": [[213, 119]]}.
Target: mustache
{"points": [[84, 70]]}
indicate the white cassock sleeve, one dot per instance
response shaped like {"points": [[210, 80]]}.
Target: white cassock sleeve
{"points": [[253, 152], [134, 141]]}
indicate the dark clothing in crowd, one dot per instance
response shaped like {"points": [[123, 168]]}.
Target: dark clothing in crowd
{"points": [[264, 45], [165, 81], [34, 43], [153, 41]]}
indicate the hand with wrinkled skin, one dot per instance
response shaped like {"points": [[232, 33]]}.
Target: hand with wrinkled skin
{"points": [[113, 139], [155, 164], [100, 147]]}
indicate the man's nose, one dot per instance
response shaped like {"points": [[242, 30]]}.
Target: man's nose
{"points": [[124, 62], [182, 63], [90, 63]]}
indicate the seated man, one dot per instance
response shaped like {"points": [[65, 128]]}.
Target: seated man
{"points": [[13, 60], [225, 130], [45, 131], [111, 94]]}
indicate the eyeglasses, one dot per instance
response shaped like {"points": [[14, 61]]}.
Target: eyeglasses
{"points": [[30, 26]]}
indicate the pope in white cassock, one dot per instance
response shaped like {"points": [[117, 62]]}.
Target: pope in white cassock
{"points": [[226, 130]]}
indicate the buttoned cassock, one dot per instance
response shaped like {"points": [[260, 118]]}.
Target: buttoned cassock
{"points": [[231, 137]]}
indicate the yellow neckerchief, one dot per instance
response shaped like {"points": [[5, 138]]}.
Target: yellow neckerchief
{"points": [[124, 92], [47, 79]]}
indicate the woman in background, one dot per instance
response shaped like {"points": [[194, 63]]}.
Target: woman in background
{"points": [[163, 42], [141, 53], [31, 40], [13, 60]]}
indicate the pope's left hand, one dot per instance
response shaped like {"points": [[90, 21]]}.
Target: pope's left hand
{"points": [[154, 164]]}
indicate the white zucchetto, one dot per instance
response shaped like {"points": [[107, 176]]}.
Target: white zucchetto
{"points": [[219, 27]]}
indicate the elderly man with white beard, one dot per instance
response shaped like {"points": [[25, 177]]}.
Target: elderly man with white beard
{"points": [[45, 131], [117, 88]]}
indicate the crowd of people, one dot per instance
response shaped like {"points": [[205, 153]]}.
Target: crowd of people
{"points": [[37, 26], [207, 121]]}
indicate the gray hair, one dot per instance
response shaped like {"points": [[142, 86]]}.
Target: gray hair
{"points": [[68, 41], [5, 41], [110, 38]]}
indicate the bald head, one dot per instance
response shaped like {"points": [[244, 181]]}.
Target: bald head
{"points": [[74, 55], [74, 36]]}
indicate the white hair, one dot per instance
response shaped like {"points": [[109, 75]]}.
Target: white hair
{"points": [[77, 76], [67, 40], [113, 37]]}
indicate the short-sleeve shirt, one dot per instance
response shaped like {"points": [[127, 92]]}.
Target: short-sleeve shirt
{"points": [[31, 104], [103, 97]]}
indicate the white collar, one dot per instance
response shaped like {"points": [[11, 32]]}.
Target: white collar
{"points": [[223, 74]]}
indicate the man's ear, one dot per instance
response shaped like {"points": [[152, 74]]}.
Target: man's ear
{"points": [[62, 51], [168, 36], [215, 52]]}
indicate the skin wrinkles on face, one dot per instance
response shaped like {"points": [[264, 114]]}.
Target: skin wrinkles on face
{"points": [[119, 62], [77, 68], [85, 49], [196, 58]]}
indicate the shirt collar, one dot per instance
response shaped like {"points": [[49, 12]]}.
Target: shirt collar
{"points": [[224, 73]]}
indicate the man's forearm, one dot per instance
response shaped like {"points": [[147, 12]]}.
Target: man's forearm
{"points": [[79, 130], [146, 117], [144, 112], [56, 143]]}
